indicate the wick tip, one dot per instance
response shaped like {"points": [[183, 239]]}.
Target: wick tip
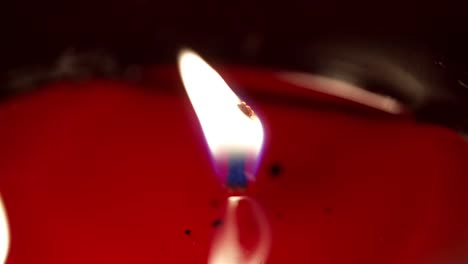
{"points": [[236, 190]]}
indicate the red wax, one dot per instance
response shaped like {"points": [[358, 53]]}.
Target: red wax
{"points": [[107, 172]]}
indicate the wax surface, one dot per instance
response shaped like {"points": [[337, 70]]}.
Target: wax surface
{"points": [[102, 172]]}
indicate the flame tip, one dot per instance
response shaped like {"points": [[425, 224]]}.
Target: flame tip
{"points": [[183, 52]]}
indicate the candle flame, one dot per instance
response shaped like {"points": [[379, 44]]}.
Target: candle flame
{"points": [[226, 247], [234, 134], [229, 124], [4, 233]]}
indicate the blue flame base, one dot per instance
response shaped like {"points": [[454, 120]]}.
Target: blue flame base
{"points": [[236, 177]]}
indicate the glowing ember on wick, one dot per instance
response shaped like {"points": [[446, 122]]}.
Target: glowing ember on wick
{"points": [[232, 130], [246, 109]]}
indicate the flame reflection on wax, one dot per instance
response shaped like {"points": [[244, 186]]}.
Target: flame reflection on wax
{"points": [[4, 233], [226, 247]]}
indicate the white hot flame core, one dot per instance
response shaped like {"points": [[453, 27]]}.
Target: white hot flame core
{"points": [[226, 127], [4, 234]]}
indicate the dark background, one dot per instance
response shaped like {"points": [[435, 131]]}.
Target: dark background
{"points": [[428, 39]]}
